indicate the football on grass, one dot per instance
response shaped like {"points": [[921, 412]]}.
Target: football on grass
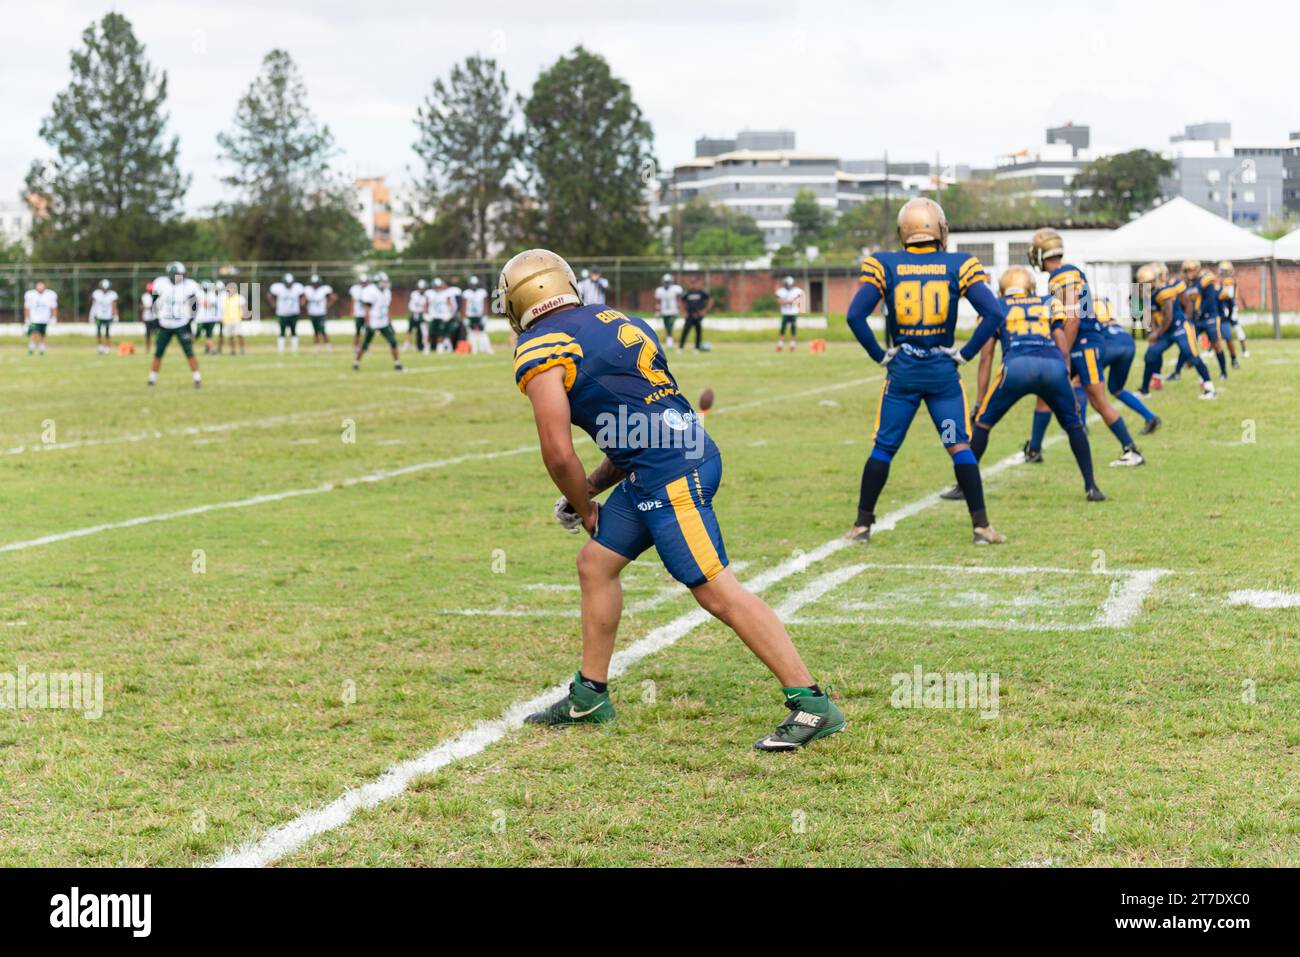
{"points": [[706, 400]]}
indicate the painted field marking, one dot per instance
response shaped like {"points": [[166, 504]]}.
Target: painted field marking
{"points": [[1265, 599], [1128, 589], [288, 837]]}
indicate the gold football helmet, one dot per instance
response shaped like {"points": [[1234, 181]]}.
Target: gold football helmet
{"points": [[922, 220], [1191, 268], [1162, 271], [1148, 275], [1225, 268], [534, 283], [1046, 244], [1015, 279]]}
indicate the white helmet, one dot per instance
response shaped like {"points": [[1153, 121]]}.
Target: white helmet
{"points": [[288, 278], [105, 284], [363, 277], [437, 281], [788, 280], [315, 279], [421, 284], [473, 280], [666, 278], [584, 274], [381, 278]]}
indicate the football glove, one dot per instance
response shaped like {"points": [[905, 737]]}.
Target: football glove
{"points": [[889, 355], [567, 516], [953, 353]]}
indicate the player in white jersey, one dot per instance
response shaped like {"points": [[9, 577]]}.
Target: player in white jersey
{"points": [[378, 298], [41, 310], [667, 296], [208, 315], [286, 296], [147, 314], [475, 297], [176, 303], [456, 328], [103, 310], [416, 304], [358, 306], [319, 297], [440, 306], [790, 298]]}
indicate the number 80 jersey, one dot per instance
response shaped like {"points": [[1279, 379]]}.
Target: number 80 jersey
{"points": [[921, 287], [621, 392]]}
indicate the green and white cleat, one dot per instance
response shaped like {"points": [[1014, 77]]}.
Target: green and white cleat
{"points": [[808, 720], [580, 706]]}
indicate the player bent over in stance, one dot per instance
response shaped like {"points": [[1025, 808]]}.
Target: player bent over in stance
{"points": [[921, 285], [596, 367], [1169, 326], [1085, 338], [1227, 304], [1034, 362], [175, 303]]}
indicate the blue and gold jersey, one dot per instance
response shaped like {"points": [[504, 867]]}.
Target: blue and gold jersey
{"points": [[620, 391], [1171, 291], [1029, 324], [921, 287], [1227, 297], [1069, 284], [1207, 298]]}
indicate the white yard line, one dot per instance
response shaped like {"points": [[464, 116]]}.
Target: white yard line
{"points": [[444, 399], [286, 838], [1126, 597], [1265, 599]]}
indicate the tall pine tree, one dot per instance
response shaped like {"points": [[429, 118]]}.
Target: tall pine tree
{"points": [[113, 190], [469, 144], [288, 203], [589, 158]]}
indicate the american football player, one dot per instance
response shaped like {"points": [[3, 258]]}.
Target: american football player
{"points": [[378, 298], [592, 366], [1228, 325], [1034, 362], [667, 296], [475, 297], [416, 303], [286, 295], [355, 292], [319, 297], [103, 311], [40, 310], [790, 298], [1168, 325], [920, 286], [1085, 338], [176, 303], [1117, 355], [1203, 309]]}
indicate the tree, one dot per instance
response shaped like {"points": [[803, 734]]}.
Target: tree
{"points": [[289, 204], [713, 229], [810, 220], [870, 225], [588, 158], [113, 189], [993, 202], [1120, 186], [469, 144]]}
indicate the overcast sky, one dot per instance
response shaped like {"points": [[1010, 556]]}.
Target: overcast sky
{"points": [[966, 81]]}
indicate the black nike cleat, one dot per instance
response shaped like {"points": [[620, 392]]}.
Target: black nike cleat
{"points": [[1095, 495], [1033, 455], [1152, 425], [954, 494]]}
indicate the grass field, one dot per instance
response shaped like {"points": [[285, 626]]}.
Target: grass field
{"points": [[340, 572]]}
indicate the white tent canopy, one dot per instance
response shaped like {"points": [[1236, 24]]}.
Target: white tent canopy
{"points": [[1179, 229], [1288, 247]]}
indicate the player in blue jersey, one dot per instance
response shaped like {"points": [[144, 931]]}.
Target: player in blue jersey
{"points": [[1228, 324], [604, 371], [1034, 362], [1117, 356], [920, 286], [1203, 310], [1167, 326], [1084, 336]]}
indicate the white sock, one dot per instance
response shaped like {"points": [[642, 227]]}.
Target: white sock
{"points": [[153, 376], [279, 344], [294, 340], [197, 377]]}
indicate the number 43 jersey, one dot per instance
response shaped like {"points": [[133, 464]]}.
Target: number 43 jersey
{"points": [[1029, 325], [921, 287], [620, 391]]}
